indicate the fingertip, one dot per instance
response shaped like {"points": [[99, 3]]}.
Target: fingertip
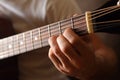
{"points": [[50, 54], [52, 39], [59, 37]]}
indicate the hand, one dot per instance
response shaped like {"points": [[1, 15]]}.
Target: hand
{"points": [[81, 57]]}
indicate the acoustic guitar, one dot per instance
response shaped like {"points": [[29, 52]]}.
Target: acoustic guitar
{"points": [[102, 20]]}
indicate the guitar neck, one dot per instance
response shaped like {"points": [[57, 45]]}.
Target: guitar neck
{"points": [[37, 38]]}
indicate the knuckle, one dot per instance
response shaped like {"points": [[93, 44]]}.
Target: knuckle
{"points": [[67, 32], [65, 49], [56, 50], [73, 41]]}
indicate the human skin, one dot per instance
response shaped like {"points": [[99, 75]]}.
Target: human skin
{"points": [[83, 57]]}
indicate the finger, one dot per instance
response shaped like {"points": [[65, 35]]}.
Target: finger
{"points": [[57, 52], [78, 44], [67, 68], [52, 41], [54, 59], [67, 49]]}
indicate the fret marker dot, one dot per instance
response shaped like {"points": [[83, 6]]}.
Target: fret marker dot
{"points": [[21, 43], [36, 38], [10, 46]]}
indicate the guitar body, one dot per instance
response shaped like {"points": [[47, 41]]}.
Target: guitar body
{"points": [[8, 67]]}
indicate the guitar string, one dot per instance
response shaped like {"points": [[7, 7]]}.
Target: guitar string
{"points": [[110, 11], [83, 17], [45, 29], [106, 13], [44, 41], [96, 12], [54, 27]]}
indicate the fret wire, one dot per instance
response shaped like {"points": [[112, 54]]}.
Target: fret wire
{"points": [[84, 27], [28, 36], [53, 33], [40, 37], [81, 21], [63, 24], [35, 32], [45, 38], [36, 39], [45, 42], [10, 45], [59, 24], [79, 17], [4, 44], [45, 34], [21, 43], [68, 22], [78, 24], [67, 25], [6, 49], [29, 43], [15, 45], [54, 27], [72, 23], [24, 39], [18, 44], [31, 33], [43, 29], [49, 31]]}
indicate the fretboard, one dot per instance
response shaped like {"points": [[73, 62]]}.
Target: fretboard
{"points": [[38, 38], [82, 24]]}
